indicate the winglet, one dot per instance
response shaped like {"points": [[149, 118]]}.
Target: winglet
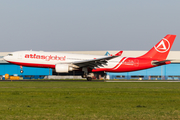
{"points": [[119, 53], [161, 50]]}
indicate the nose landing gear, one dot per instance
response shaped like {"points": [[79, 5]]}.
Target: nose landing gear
{"points": [[21, 71]]}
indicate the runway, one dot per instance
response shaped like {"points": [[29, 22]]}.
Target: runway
{"points": [[51, 80], [142, 80], [62, 80]]}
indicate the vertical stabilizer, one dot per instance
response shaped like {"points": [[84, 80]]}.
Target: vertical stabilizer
{"points": [[161, 50]]}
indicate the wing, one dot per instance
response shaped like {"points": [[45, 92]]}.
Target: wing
{"points": [[92, 63]]}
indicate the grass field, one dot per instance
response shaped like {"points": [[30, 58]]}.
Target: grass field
{"points": [[89, 100]]}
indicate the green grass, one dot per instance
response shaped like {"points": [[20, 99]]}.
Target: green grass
{"points": [[89, 100]]}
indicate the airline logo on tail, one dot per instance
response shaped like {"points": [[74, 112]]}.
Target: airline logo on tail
{"points": [[163, 46]]}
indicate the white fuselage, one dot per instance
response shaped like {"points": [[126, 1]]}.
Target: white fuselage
{"points": [[45, 59]]}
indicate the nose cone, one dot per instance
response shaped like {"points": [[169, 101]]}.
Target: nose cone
{"points": [[5, 58]]}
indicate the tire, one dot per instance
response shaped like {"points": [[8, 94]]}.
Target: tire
{"points": [[89, 78], [84, 76], [21, 71]]}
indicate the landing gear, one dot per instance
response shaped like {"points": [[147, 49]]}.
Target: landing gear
{"points": [[21, 71], [86, 74], [89, 78]]}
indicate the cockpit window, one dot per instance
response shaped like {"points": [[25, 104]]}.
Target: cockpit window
{"points": [[10, 54]]}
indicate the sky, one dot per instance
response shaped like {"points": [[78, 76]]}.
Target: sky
{"points": [[87, 25]]}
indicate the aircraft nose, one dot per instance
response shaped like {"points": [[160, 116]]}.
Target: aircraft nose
{"points": [[5, 58]]}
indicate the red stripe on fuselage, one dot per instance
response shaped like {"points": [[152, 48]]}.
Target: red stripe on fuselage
{"points": [[120, 62], [33, 64]]}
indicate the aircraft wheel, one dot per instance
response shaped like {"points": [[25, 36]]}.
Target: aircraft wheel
{"points": [[21, 71], [84, 76], [89, 78]]}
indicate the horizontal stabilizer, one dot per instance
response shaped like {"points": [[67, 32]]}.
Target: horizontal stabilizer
{"points": [[161, 62]]}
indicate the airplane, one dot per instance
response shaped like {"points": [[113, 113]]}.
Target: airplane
{"points": [[66, 62]]}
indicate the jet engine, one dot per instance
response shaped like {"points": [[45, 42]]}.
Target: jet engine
{"points": [[63, 68]]}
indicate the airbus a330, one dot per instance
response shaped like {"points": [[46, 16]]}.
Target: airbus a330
{"points": [[65, 62]]}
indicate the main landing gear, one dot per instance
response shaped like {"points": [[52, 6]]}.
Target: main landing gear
{"points": [[86, 75], [89, 78]]}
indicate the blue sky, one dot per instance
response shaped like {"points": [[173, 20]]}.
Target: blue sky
{"points": [[87, 25]]}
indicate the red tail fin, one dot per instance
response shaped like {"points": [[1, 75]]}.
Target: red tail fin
{"points": [[161, 50]]}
